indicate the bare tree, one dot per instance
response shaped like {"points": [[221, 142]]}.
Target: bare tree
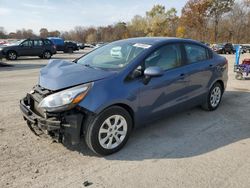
{"points": [[217, 10]]}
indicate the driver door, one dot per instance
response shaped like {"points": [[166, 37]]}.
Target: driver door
{"points": [[26, 48], [163, 93]]}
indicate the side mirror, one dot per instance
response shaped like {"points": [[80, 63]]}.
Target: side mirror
{"points": [[152, 72]]}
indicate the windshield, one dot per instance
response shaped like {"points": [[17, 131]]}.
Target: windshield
{"points": [[113, 56], [17, 42]]}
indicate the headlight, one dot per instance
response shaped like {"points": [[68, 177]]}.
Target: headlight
{"points": [[1, 49], [66, 99]]}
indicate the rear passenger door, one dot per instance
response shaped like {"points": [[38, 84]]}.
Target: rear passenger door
{"points": [[200, 69], [38, 47]]}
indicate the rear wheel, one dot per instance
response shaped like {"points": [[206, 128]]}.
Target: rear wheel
{"points": [[70, 50], [47, 55], [12, 55], [213, 98], [109, 131]]}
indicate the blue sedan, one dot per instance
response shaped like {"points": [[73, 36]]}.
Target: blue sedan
{"points": [[108, 92]]}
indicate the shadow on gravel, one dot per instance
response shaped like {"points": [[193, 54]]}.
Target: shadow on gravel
{"points": [[5, 65], [16, 66], [188, 134]]}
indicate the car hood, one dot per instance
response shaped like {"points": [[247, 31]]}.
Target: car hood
{"points": [[5, 46], [60, 74]]}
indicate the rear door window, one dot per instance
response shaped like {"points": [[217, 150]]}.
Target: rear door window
{"points": [[38, 43], [47, 42], [195, 53]]}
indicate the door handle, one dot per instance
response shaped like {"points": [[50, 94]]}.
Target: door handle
{"points": [[210, 65], [182, 76]]}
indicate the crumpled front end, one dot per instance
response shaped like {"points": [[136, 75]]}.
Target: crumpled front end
{"points": [[61, 126]]}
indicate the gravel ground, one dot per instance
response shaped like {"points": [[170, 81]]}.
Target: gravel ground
{"points": [[190, 149]]}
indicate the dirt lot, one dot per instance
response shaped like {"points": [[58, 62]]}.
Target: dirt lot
{"points": [[191, 149]]}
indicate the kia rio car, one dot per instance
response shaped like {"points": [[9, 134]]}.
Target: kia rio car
{"points": [[105, 94]]}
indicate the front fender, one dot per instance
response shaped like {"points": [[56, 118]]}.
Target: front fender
{"points": [[108, 92]]}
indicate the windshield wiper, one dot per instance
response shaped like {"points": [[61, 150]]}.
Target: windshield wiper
{"points": [[88, 65]]}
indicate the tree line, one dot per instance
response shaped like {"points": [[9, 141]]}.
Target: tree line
{"points": [[210, 21]]}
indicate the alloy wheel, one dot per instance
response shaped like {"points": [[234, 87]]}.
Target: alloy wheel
{"points": [[112, 132], [215, 97], [12, 56], [47, 55]]}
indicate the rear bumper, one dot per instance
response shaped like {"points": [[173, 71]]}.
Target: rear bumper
{"points": [[64, 126]]}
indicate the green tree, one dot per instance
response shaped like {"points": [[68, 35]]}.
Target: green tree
{"points": [[195, 18], [156, 21], [137, 26], [161, 22]]}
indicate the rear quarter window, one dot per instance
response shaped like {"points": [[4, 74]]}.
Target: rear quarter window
{"points": [[47, 42], [196, 53]]}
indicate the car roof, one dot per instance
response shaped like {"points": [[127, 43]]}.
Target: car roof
{"points": [[158, 40]]}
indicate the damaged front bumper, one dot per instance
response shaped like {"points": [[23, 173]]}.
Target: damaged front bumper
{"points": [[62, 127]]}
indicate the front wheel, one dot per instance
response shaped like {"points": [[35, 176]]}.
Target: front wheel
{"points": [[214, 97], [109, 131], [12, 55]]}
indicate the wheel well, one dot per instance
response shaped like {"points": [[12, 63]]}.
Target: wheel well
{"points": [[11, 51], [222, 85], [128, 109]]}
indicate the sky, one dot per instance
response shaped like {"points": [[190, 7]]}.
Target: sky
{"points": [[64, 15]]}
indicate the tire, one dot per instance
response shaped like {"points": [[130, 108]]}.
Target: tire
{"points": [[239, 76], [41, 56], [47, 55], [214, 97], [99, 130], [12, 55], [70, 50]]}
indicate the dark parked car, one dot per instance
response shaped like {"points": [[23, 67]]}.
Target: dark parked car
{"points": [[43, 48], [65, 46], [105, 94], [224, 48], [247, 48], [80, 45]]}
